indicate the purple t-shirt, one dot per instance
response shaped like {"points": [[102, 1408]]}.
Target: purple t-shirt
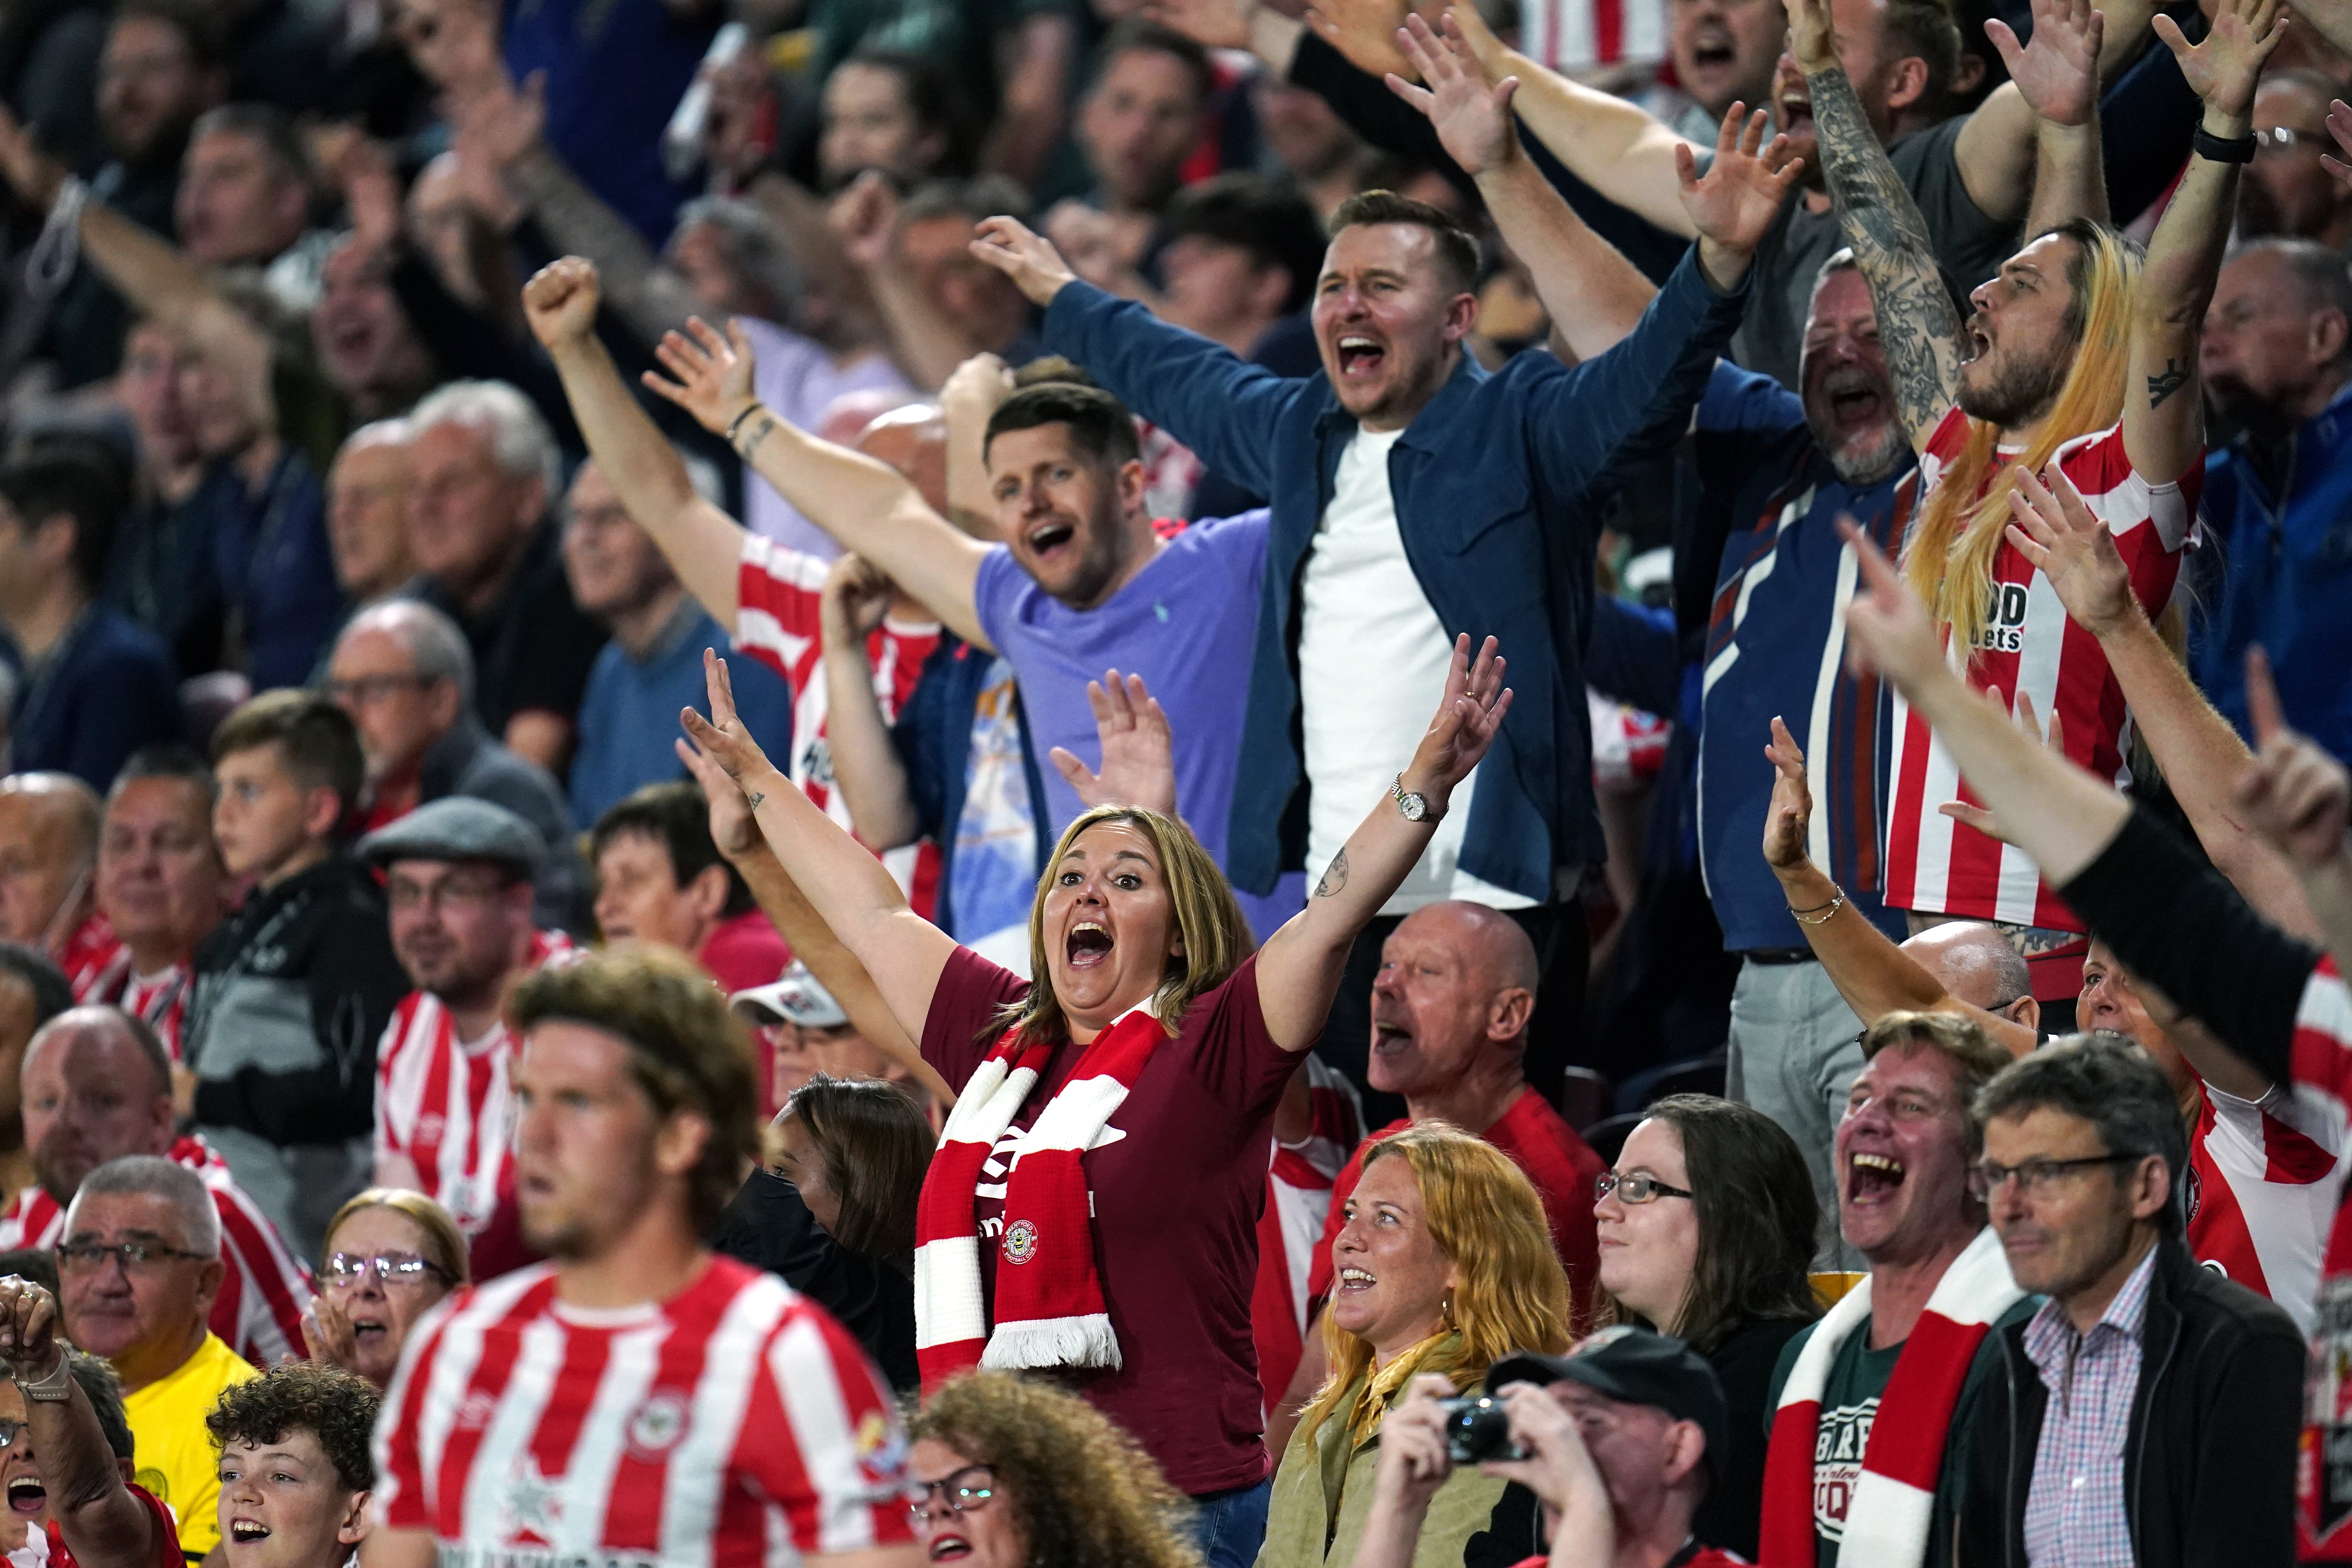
{"points": [[1188, 625]]}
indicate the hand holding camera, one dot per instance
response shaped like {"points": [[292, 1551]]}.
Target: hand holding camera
{"points": [[1549, 1458], [1415, 1457]]}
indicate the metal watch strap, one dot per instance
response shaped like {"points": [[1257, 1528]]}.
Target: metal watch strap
{"points": [[52, 1387]]}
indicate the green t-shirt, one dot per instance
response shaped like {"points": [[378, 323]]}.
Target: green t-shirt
{"points": [[1849, 1404]]}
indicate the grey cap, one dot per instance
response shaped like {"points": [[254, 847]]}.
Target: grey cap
{"points": [[458, 828]]}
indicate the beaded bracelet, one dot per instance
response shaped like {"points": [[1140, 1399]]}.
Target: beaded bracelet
{"points": [[1821, 913]]}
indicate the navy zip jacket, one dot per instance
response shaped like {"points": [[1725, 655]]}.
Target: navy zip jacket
{"points": [[1494, 484]]}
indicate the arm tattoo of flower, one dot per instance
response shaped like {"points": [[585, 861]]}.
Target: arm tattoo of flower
{"points": [[1877, 217]]}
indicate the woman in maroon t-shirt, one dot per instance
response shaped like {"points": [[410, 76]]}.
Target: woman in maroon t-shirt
{"points": [[1110, 1230]]}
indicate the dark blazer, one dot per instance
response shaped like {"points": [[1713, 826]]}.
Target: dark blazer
{"points": [[2208, 1463]]}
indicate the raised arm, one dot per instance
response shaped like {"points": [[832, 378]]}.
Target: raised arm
{"points": [[2054, 82], [1873, 975], [812, 941], [926, 344], [868, 506], [2296, 796], [845, 886], [103, 1525], [2200, 756], [703, 544], [2164, 415], [1616, 147], [1299, 968], [1916, 324], [968, 399], [1593, 295], [865, 766]]}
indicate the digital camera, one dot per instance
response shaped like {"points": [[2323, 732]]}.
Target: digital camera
{"points": [[1477, 1428]]}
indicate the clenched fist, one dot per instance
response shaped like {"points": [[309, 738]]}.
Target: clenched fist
{"points": [[560, 301]]}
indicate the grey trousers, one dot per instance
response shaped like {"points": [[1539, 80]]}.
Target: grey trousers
{"points": [[1795, 1051]]}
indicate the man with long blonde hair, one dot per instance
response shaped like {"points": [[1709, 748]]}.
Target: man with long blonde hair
{"points": [[2080, 356]]}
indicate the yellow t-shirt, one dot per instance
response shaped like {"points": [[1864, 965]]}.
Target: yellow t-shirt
{"points": [[174, 1454]]}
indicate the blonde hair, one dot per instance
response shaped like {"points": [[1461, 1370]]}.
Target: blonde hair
{"points": [[1484, 1217], [1949, 556], [1209, 922], [445, 1246]]}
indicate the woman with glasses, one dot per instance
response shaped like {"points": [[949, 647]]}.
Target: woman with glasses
{"points": [[1007, 1472], [1706, 1232], [391, 1256], [1444, 1265]]}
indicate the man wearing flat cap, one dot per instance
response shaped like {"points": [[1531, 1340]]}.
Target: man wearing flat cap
{"points": [[1611, 1438], [458, 875]]}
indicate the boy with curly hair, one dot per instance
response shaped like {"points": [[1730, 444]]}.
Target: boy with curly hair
{"points": [[295, 1467]]}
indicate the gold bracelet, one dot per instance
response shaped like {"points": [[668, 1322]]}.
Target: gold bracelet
{"points": [[1821, 913]]}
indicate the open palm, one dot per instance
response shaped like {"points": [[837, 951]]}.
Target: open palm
{"points": [[714, 373], [1735, 204], [2058, 70], [1472, 119], [2223, 68]]}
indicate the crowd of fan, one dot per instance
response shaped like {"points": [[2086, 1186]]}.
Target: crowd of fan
{"points": [[948, 520]]}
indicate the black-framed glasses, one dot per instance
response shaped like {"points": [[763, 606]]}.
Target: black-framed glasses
{"points": [[350, 1270], [2035, 1177], [970, 1488], [89, 1257], [1634, 1188]]}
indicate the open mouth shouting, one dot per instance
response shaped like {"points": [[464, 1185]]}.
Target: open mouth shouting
{"points": [[949, 1546], [1872, 1178], [1712, 48], [245, 1531], [369, 1333], [28, 1496], [1796, 115], [1048, 536], [1980, 342], [1360, 356], [1088, 945], [1856, 398]]}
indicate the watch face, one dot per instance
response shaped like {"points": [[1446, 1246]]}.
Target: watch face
{"points": [[1414, 806]]}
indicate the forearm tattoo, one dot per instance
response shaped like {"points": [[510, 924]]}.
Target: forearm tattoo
{"points": [[2166, 382], [752, 801], [1877, 217], [762, 423], [1335, 877]]}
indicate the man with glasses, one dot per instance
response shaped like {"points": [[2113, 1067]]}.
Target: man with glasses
{"points": [[97, 1088], [458, 874], [1866, 1399], [635, 1400], [404, 673], [2147, 1411], [138, 1269]]}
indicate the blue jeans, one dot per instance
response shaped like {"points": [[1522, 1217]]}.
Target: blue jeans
{"points": [[1232, 1525]]}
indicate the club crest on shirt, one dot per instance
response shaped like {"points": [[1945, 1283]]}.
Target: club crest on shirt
{"points": [[1020, 1241], [429, 1126], [476, 1412], [657, 1425], [881, 1453]]}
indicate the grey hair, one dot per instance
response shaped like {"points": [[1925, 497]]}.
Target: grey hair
{"points": [[264, 124], [1842, 259], [437, 647], [2320, 272], [381, 433], [2107, 1079], [519, 440], [168, 760], [751, 247], [151, 1175]]}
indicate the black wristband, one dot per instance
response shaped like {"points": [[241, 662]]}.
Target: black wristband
{"points": [[2215, 149]]}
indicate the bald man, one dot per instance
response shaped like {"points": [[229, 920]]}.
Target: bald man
{"points": [[49, 874], [1977, 964], [653, 665], [97, 1085]]}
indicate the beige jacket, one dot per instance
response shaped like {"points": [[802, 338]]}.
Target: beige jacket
{"points": [[1324, 1490]]}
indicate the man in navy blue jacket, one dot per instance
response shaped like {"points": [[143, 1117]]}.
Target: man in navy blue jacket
{"points": [[1416, 497]]}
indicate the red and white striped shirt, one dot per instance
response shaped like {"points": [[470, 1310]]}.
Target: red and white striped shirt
{"points": [[86, 953], [1935, 864], [736, 1425], [2263, 1180], [1290, 1227], [2320, 1064], [259, 1311], [161, 998], [443, 1104], [1576, 34]]}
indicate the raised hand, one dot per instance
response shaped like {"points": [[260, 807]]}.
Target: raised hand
{"points": [[32, 174], [714, 373], [1789, 816], [362, 169], [2067, 543], [2293, 794], [865, 218], [2058, 72], [1138, 756], [1473, 118], [855, 597], [724, 734], [1735, 204], [328, 1335], [1364, 31], [1211, 24], [731, 827], [1558, 1468], [560, 301], [29, 1328], [2339, 125], [2223, 68], [1887, 629], [1812, 39], [976, 389], [1467, 717], [1035, 267], [2055, 738]]}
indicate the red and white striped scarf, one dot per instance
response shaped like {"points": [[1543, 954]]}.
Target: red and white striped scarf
{"points": [[1050, 1309], [1886, 1522]]}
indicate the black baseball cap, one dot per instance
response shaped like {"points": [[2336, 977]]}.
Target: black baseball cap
{"points": [[1633, 1367]]}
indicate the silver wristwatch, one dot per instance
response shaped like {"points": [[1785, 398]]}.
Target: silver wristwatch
{"points": [[52, 1387], [1413, 805]]}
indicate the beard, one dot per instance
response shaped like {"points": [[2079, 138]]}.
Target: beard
{"points": [[1862, 463], [2020, 390]]}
